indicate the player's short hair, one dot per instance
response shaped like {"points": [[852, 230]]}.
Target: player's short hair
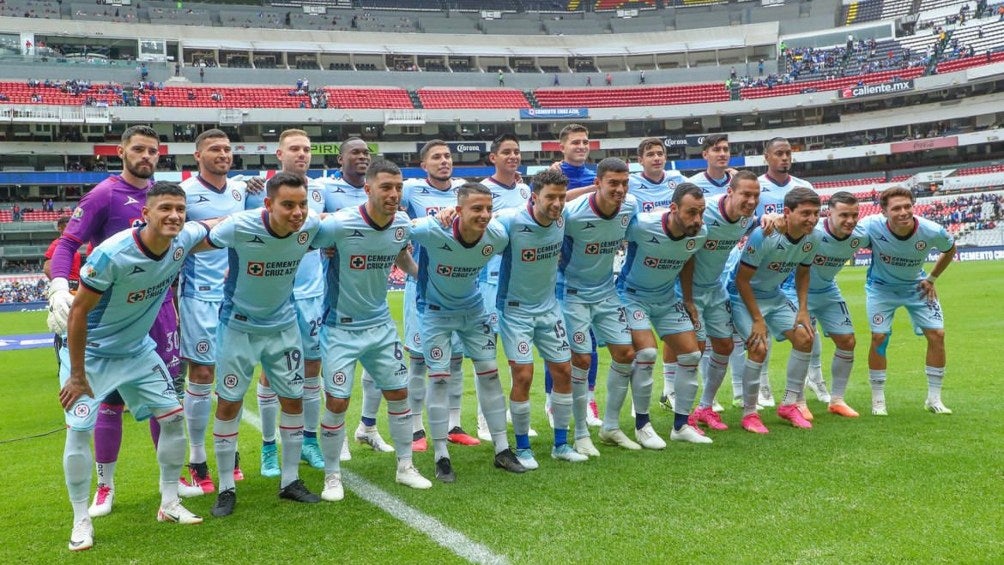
{"points": [[341, 148], [498, 141], [213, 133], [893, 192], [570, 129], [290, 133], [145, 131], [611, 165], [649, 142], [429, 145], [713, 139], [685, 189], [548, 177], [382, 166], [281, 179], [62, 221], [842, 197], [801, 195], [770, 143], [741, 176], [469, 188], [164, 188]]}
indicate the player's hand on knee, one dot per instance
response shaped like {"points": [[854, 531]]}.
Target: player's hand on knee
{"points": [[60, 301]]}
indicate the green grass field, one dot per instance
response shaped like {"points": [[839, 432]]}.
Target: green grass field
{"points": [[910, 487]]}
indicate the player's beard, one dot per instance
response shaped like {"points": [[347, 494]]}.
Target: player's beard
{"points": [[136, 172]]}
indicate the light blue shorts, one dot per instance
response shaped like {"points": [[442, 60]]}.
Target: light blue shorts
{"points": [[378, 348], [279, 354], [778, 312], [440, 329], [607, 318], [199, 319], [489, 292], [668, 318], [522, 329], [830, 310], [714, 313], [142, 380], [881, 305], [310, 317]]}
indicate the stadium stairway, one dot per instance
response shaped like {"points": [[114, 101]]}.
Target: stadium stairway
{"points": [[531, 98], [416, 100]]}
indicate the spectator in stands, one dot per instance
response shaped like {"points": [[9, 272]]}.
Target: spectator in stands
{"points": [[610, 79], [16, 213], [641, 77], [202, 74], [501, 79], [556, 82]]}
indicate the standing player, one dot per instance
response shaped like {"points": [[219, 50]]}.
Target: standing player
{"points": [[595, 225], [838, 240], [368, 239], [344, 192], [653, 187], [529, 313], [113, 205], [900, 244], [426, 197], [759, 305], [308, 300], [660, 245], [449, 262], [209, 194], [714, 180], [258, 324], [108, 348]]}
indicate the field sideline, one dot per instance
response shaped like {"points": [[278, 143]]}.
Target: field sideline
{"points": [[909, 487]]}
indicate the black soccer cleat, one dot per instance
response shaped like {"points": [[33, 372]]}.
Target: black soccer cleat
{"points": [[225, 502], [297, 492], [444, 470], [508, 461]]}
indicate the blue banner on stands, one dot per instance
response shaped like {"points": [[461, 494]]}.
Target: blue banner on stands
{"points": [[701, 164], [553, 113]]}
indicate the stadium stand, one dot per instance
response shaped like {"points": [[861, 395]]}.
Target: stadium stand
{"points": [[433, 98]]}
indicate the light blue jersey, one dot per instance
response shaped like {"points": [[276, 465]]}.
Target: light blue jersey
{"points": [[586, 269], [132, 282], [831, 254], [420, 199], [448, 268], [340, 193], [529, 269], [503, 198], [774, 257], [357, 275], [655, 258], [203, 275], [724, 234], [652, 194], [899, 262], [772, 193], [309, 282], [257, 296], [711, 187]]}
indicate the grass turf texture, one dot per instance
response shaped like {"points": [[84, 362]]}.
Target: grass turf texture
{"points": [[909, 487]]}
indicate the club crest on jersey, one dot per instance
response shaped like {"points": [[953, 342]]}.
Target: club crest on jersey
{"points": [[436, 353], [807, 247], [638, 315], [202, 346], [650, 262], [523, 347], [592, 249], [81, 410], [444, 270], [921, 245], [357, 262], [774, 266], [302, 238], [524, 193], [179, 253], [647, 206], [488, 250], [316, 195], [237, 195], [818, 260], [230, 381], [529, 255], [493, 318], [624, 220], [399, 234], [432, 210], [560, 221], [711, 244], [256, 268], [579, 337], [338, 378], [691, 244], [855, 242], [878, 319], [744, 221], [136, 296]]}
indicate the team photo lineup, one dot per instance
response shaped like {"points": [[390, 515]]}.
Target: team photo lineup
{"points": [[187, 287]]}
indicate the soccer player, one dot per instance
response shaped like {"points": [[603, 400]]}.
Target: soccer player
{"points": [[108, 348], [368, 239], [308, 300], [346, 191], [426, 197], [839, 239], [595, 225], [660, 244], [529, 313], [714, 181], [759, 305], [901, 242], [209, 194], [653, 187], [115, 204], [258, 324], [449, 262], [73, 278], [728, 218]]}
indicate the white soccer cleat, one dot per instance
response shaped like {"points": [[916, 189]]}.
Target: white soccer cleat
{"points": [[766, 398], [584, 445], [345, 455], [689, 434], [369, 435], [333, 490], [175, 512], [484, 434], [186, 490], [593, 419], [526, 459], [647, 437], [817, 384], [878, 408], [103, 499], [409, 476], [936, 407], [564, 452], [82, 536], [617, 437]]}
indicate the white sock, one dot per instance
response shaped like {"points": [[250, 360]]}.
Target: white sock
{"points": [[170, 453], [77, 459], [798, 367], [668, 378], [492, 402], [311, 403], [291, 435], [717, 364], [617, 389], [934, 377], [198, 406], [686, 381], [456, 391], [416, 391], [580, 400], [399, 419], [225, 446], [268, 409], [331, 438], [106, 474], [840, 370], [751, 386], [371, 397]]}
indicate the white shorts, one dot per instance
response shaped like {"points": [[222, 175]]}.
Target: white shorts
{"points": [[607, 318], [199, 319], [378, 348], [279, 354]]}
